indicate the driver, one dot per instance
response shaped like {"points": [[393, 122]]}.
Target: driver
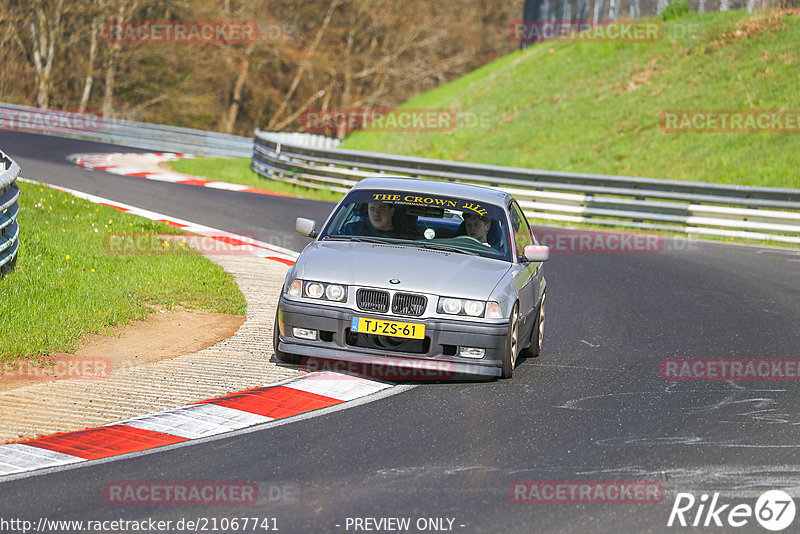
{"points": [[380, 222], [477, 227], [381, 216]]}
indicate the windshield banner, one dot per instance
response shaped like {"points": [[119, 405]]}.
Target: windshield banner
{"points": [[422, 200]]}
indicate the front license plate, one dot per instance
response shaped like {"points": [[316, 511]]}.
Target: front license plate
{"points": [[388, 328]]}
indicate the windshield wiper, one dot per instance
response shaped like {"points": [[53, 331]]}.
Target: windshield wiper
{"points": [[358, 239], [376, 240], [444, 248]]}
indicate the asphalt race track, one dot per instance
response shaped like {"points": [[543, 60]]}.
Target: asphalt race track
{"points": [[593, 406]]}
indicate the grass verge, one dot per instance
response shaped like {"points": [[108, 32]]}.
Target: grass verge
{"points": [[597, 107], [66, 285]]}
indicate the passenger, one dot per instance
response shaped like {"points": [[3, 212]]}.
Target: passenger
{"points": [[477, 227]]}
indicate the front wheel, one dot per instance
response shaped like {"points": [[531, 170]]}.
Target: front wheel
{"points": [[285, 357], [537, 334], [512, 344]]}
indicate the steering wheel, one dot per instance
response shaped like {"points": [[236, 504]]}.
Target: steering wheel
{"points": [[478, 241]]}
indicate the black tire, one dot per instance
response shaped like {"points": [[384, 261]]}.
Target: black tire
{"points": [[537, 334], [285, 357], [512, 344]]}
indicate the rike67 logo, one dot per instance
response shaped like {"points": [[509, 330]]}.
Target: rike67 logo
{"points": [[774, 510]]}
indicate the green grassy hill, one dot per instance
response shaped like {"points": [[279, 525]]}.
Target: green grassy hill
{"points": [[596, 107]]}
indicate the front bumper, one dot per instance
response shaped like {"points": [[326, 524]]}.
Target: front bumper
{"points": [[443, 337]]}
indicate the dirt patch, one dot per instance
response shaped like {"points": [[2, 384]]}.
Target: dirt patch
{"points": [[164, 335], [639, 78], [769, 21]]}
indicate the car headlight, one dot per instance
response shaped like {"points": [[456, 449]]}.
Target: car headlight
{"points": [[335, 292], [314, 290], [451, 306], [317, 290], [454, 306], [474, 308]]}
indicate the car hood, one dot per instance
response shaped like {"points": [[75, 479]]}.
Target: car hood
{"points": [[419, 270]]}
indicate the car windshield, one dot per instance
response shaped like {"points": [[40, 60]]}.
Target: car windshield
{"points": [[458, 225]]}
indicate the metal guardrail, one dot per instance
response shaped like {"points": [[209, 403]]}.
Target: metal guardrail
{"points": [[90, 127], [9, 209], [666, 205], [157, 137], [303, 139]]}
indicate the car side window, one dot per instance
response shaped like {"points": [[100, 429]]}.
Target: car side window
{"points": [[521, 229]]}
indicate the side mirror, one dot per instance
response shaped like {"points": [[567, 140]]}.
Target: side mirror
{"points": [[536, 253], [307, 227]]}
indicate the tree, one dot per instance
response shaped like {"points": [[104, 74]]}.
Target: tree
{"points": [[613, 9], [124, 10], [599, 6], [335, 53], [90, 63], [276, 121], [634, 12], [45, 33]]}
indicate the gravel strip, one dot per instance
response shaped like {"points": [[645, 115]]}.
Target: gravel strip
{"points": [[239, 362]]}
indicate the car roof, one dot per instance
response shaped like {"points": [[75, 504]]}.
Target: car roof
{"points": [[418, 185]]}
